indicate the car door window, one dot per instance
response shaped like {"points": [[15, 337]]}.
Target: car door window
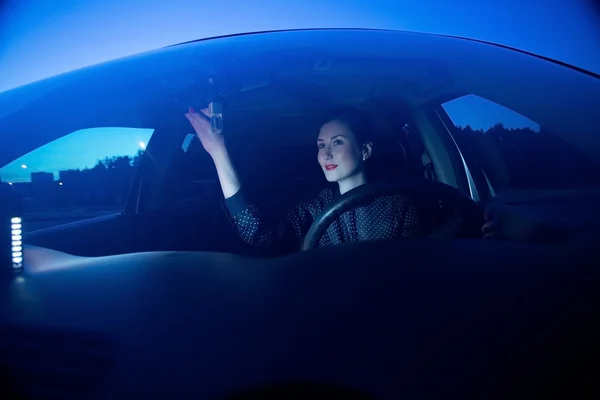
{"points": [[515, 153], [83, 175]]}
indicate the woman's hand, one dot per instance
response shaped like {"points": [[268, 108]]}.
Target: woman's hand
{"points": [[512, 223], [215, 146], [508, 223], [490, 229], [212, 143]]}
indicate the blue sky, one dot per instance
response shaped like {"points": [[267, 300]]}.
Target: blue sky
{"points": [[42, 38], [75, 151]]}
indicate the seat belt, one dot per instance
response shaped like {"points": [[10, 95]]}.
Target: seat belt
{"points": [[428, 167]]}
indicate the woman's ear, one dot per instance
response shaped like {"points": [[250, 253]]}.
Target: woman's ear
{"points": [[367, 150]]}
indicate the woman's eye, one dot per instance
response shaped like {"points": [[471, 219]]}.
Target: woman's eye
{"points": [[338, 142], [321, 145]]}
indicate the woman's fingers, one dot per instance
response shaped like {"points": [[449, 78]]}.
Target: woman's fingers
{"points": [[488, 226], [490, 212], [203, 112], [491, 230], [200, 121], [197, 121]]}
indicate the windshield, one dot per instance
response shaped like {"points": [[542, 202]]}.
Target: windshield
{"points": [[308, 117]]}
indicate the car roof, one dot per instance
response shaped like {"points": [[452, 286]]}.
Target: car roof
{"points": [[285, 75]]}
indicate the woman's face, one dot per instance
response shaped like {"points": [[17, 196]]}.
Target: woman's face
{"points": [[340, 155]]}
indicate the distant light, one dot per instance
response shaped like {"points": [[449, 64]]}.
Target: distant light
{"points": [[142, 145], [10, 183], [23, 166], [60, 183]]}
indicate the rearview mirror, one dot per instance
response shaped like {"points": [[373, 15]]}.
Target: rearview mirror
{"points": [[215, 112], [11, 229]]}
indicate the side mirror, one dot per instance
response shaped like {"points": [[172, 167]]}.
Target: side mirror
{"points": [[11, 229]]}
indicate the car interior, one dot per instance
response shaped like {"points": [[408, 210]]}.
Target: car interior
{"points": [[106, 308], [272, 116], [179, 204], [277, 166]]}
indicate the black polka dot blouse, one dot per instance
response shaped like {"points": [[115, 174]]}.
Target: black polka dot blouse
{"points": [[383, 218]]}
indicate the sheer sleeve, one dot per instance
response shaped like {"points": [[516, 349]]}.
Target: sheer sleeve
{"points": [[259, 231]]}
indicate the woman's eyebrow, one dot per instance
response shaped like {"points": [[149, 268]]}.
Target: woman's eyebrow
{"points": [[333, 137]]}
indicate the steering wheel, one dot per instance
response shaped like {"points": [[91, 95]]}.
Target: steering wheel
{"points": [[431, 197]]}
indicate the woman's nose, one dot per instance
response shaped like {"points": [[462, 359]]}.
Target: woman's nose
{"points": [[328, 155]]}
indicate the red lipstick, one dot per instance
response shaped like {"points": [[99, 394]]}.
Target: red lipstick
{"points": [[330, 167]]}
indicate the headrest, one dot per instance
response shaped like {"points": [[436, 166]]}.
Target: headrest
{"points": [[389, 160]]}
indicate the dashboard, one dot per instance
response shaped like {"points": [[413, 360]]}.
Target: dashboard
{"points": [[383, 320]]}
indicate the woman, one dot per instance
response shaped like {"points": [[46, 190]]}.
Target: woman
{"points": [[343, 150]]}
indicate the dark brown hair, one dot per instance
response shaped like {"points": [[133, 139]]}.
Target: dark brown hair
{"points": [[358, 122]]}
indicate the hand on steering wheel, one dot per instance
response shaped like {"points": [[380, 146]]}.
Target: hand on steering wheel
{"points": [[465, 219]]}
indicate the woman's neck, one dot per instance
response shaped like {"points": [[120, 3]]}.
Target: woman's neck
{"points": [[352, 182]]}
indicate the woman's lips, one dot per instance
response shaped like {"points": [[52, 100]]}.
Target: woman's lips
{"points": [[330, 167]]}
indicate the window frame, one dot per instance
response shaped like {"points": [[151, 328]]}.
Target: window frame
{"points": [[486, 190], [149, 183], [471, 169], [133, 193], [443, 142]]}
